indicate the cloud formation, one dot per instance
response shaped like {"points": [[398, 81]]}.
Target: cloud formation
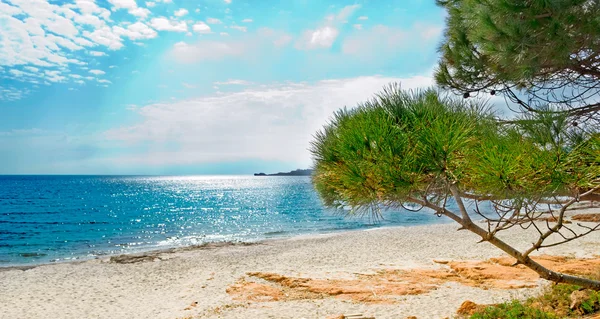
{"points": [[164, 24], [201, 27], [325, 36], [266, 123], [203, 50], [380, 40], [53, 38]]}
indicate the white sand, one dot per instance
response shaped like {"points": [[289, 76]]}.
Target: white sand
{"points": [[164, 288]]}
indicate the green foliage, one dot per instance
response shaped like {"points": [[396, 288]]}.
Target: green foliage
{"points": [[512, 310], [401, 145], [557, 298], [504, 42], [553, 303]]}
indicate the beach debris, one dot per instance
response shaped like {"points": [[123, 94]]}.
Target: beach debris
{"points": [[351, 316], [595, 218], [192, 305], [163, 254], [386, 286], [132, 259], [579, 297]]}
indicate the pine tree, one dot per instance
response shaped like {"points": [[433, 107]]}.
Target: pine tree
{"points": [[537, 53], [436, 152]]}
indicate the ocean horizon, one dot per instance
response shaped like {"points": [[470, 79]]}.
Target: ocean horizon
{"points": [[59, 218]]}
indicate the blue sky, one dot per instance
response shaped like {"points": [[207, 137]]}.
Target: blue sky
{"points": [[194, 87]]}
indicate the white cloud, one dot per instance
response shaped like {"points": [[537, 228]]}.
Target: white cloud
{"points": [[88, 7], [247, 21], [54, 76], [9, 10], [88, 19], [11, 94], [381, 40], [197, 10], [31, 69], [136, 31], [263, 39], [346, 12], [18, 73], [205, 50], [40, 34], [213, 21], [97, 53], [112, 66], [358, 26], [106, 37], [276, 122], [233, 82], [150, 4], [277, 38], [317, 39], [104, 81], [240, 28], [131, 7], [429, 32], [227, 1], [140, 12], [181, 12], [325, 36], [163, 24], [363, 18], [123, 4], [224, 34], [188, 86], [201, 27], [97, 72]]}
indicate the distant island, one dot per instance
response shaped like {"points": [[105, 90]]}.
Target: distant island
{"points": [[298, 172]]}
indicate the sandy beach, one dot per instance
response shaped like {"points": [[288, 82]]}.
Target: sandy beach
{"points": [[284, 278]]}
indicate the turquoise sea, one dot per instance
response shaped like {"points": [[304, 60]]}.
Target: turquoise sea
{"points": [[60, 218]]}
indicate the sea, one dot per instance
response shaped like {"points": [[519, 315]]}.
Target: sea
{"points": [[48, 219]]}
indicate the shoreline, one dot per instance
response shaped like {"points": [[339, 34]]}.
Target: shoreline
{"points": [[222, 280], [153, 250]]}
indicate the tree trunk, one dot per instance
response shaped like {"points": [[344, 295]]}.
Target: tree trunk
{"points": [[544, 272]]}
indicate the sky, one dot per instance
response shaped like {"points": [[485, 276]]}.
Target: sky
{"points": [[195, 86]]}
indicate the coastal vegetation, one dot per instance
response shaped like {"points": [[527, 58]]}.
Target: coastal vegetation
{"points": [[426, 149], [430, 151], [533, 53], [557, 301]]}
